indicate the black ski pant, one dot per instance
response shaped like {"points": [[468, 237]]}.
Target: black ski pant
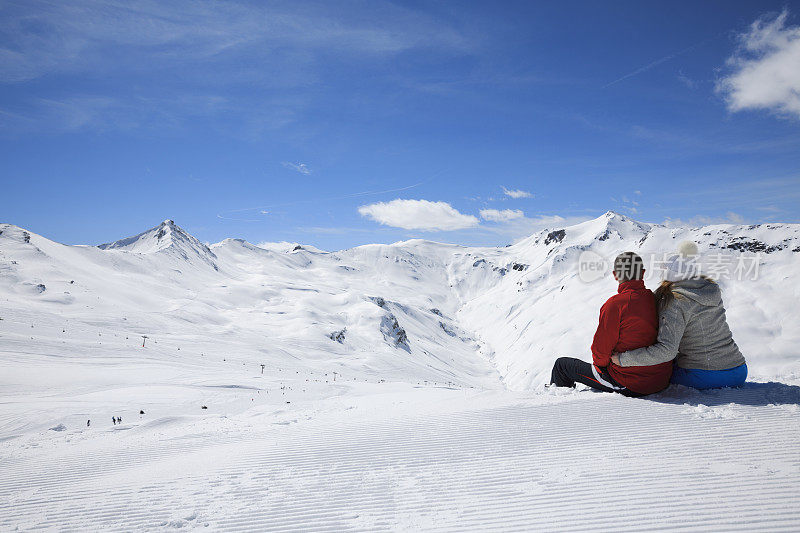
{"points": [[567, 371]]}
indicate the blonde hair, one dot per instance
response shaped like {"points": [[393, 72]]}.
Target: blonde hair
{"points": [[665, 293]]}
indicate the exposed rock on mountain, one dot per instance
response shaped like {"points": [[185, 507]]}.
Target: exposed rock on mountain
{"points": [[476, 315]]}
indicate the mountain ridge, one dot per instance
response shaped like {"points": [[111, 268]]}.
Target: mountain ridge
{"points": [[480, 315], [611, 223]]}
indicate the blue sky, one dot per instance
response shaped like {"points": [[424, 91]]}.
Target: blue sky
{"points": [[338, 124]]}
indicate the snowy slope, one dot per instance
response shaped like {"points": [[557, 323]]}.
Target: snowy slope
{"points": [[413, 310], [412, 349], [381, 458]]}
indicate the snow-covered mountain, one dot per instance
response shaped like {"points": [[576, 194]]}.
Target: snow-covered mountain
{"points": [[412, 310], [167, 239], [383, 402]]}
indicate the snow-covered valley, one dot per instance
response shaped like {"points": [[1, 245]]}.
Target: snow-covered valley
{"points": [[381, 387]]}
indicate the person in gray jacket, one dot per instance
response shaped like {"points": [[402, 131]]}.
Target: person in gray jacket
{"points": [[692, 329]]}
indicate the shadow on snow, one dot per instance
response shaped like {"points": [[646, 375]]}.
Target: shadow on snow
{"points": [[751, 393]]}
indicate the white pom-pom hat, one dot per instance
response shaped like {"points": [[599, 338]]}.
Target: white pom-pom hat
{"points": [[683, 265], [687, 248]]}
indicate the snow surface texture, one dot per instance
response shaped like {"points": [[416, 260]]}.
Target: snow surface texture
{"points": [[401, 388]]}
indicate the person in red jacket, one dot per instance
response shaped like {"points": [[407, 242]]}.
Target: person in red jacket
{"points": [[628, 320]]}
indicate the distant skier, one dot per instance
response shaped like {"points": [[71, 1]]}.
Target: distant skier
{"points": [[88, 423], [628, 320], [114, 420], [693, 329]]}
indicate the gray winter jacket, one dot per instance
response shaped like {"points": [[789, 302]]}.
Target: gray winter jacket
{"points": [[692, 330]]}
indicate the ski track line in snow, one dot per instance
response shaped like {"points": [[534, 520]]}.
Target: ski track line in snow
{"points": [[598, 462]]}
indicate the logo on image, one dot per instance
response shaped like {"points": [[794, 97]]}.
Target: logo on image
{"points": [[592, 266]]}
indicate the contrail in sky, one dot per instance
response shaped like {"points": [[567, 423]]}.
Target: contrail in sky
{"points": [[654, 64]]}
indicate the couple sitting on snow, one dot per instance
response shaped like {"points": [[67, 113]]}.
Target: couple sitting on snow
{"points": [[641, 334]]}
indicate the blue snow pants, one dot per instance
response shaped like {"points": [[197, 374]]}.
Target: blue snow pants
{"points": [[709, 379]]}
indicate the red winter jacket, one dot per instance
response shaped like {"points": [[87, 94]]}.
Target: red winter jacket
{"points": [[629, 320]]}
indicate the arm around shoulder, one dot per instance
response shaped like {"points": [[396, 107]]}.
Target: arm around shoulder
{"points": [[672, 323]]}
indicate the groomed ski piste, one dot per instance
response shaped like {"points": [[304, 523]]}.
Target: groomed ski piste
{"points": [[402, 388]]}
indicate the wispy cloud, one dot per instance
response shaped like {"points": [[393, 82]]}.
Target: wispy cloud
{"points": [[754, 193], [505, 215], [627, 204], [519, 228], [84, 34], [767, 195], [702, 220], [418, 215], [518, 193], [686, 80], [164, 114], [302, 168], [765, 69], [154, 58]]}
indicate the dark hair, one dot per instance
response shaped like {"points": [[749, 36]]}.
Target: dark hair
{"points": [[628, 266]]}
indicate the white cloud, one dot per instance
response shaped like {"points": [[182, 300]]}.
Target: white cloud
{"points": [[517, 193], [418, 214], [735, 217], [505, 215], [766, 68], [302, 168]]}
